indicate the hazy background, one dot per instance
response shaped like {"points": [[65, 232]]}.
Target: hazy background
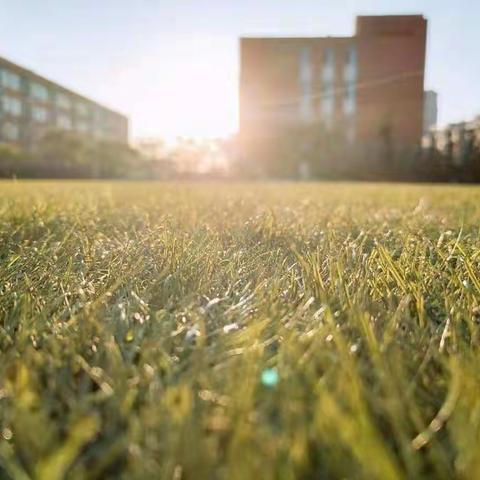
{"points": [[172, 65]]}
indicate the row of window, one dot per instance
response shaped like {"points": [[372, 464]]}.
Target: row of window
{"points": [[327, 92], [329, 65], [10, 131], [14, 107], [37, 91]]}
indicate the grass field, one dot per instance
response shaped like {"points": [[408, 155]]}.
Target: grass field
{"points": [[227, 331]]}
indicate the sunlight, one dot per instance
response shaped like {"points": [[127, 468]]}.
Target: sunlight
{"points": [[186, 87], [196, 103]]}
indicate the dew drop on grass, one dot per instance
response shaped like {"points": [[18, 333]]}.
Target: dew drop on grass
{"points": [[192, 334], [231, 327]]}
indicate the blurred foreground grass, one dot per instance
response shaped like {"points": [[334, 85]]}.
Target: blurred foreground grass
{"points": [[257, 331]]}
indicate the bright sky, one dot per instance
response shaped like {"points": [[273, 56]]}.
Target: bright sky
{"points": [[172, 65]]}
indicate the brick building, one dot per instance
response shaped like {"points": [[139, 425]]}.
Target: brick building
{"points": [[366, 87], [31, 106]]}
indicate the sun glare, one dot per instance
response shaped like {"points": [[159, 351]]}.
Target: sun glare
{"points": [[192, 91], [197, 106]]}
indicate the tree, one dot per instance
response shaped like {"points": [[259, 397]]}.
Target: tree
{"points": [[13, 161]]}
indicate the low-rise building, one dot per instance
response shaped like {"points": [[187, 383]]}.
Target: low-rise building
{"points": [[31, 106]]}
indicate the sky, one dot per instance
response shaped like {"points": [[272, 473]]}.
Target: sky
{"points": [[172, 66]]}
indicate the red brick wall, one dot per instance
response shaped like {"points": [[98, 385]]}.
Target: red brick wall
{"points": [[390, 78], [391, 62], [269, 85]]}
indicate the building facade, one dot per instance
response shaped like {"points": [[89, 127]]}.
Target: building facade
{"points": [[363, 87], [456, 142], [430, 111], [31, 106]]}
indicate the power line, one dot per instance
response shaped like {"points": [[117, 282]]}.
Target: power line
{"points": [[341, 89]]}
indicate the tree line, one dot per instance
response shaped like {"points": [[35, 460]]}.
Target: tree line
{"points": [[71, 155]]}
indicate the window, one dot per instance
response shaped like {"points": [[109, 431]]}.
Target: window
{"points": [[10, 131], [10, 80], [306, 110], [82, 109], [64, 122], [328, 70], [329, 57], [349, 81], [40, 114], [305, 66], [82, 127], [106, 131], [327, 104], [351, 55], [350, 67], [63, 101], [305, 80], [98, 116], [12, 106], [39, 92], [349, 100]]}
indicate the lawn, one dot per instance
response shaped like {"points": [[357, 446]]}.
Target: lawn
{"points": [[239, 331]]}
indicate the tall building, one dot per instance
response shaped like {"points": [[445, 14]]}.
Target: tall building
{"points": [[365, 86], [31, 106], [430, 110]]}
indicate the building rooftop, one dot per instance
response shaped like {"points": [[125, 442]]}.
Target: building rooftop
{"points": [[31, 74]]}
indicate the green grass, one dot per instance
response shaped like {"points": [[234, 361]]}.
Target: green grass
{"points": [[257, 331]]}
